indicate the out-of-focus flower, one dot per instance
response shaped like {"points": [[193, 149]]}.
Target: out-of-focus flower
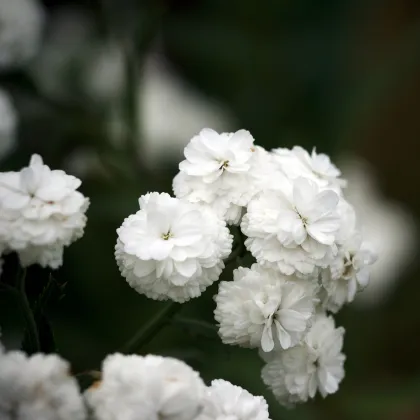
{"points": [[8, 123], [21, 23], [225, 401], [172, 249], [385, 224], [41, 213], [146, 388], [262, 308], [297, 374], [38, 387]]}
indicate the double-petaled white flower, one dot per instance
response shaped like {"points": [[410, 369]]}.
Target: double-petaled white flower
{"points": [[297, 162], [262, 308], [171, 248], [225, 401], [38, 387], [222, 170], [146, 388], [348, 273], [21, 23], [293, 228], [41, 212], [316, 365]]}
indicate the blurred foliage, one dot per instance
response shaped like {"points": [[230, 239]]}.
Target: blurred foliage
{"points": [[339, 75]]}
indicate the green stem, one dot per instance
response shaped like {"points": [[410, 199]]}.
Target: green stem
{"points": [[31, 328], [151, 328]]}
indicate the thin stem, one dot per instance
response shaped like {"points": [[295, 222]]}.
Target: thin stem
{"points": [[31, 327], [151, 328]]}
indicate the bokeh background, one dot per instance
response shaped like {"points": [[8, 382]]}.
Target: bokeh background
{"points": [[118, 87]]}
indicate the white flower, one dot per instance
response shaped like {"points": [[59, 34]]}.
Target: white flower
{"points": [[262, 308], [21, 23], [348, 273], [146, 388], [295, 228], [38, 387], [297, 162], [172, 249], [41, 213], [223, 170], [8, 123], [225, 401], [296, 374]]}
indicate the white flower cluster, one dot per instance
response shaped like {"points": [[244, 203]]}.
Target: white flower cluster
{"points": [[302, 233], [21, 23], [41, 212], [38, 387], [156, 388]]}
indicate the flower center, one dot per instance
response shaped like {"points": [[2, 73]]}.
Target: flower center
{"points": [[166, 236], [303, 218], [224, 164]]}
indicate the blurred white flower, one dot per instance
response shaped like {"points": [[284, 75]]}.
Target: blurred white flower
{"points": [[262, 308], [146, 388], [385, 224], [222, 170], [21, 24], [8, 123], [38, 387], [296, 374], [225, 401], [171, 249], [41, 213]]}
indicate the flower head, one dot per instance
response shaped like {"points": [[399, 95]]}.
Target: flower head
{"points": [[146, 388], [262, 308], [41, 213], [222, 170], [316, 365], [38, 387], [225, 401], [348, 273], [171, 249]]}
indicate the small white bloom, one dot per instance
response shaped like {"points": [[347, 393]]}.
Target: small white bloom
{"points": [[296, 374], [41, 213], [297, 162], [222, 170], [225, 401], [38, 387], [262, 308], [21, 23], [8, 124], [146, 388], [294, 228], [172, 249], [348, 273]]}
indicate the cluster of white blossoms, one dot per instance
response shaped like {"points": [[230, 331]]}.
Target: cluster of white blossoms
{"points": [[41, 212], [131, 387], [21, 23], [289, 210]]}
